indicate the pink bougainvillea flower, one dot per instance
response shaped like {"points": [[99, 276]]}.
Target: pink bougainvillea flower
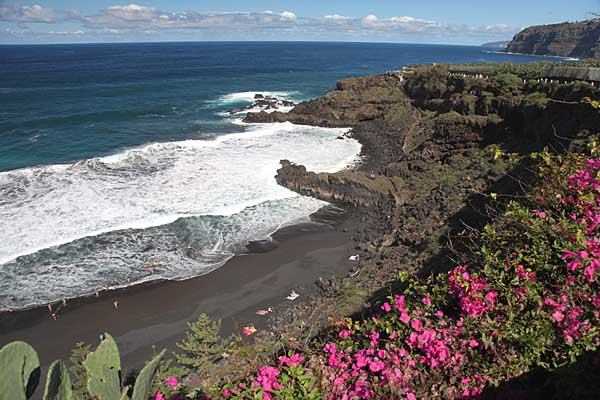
{"points": [[344, 334], [159, 396], [558, 316], [427, 301], [416, 324], [293, 361], [588, 272], [540, 214], [171, 381], [386, 307], [404, 318]]}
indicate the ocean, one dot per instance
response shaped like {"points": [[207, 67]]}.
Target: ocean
{"points": [[115, 157]]}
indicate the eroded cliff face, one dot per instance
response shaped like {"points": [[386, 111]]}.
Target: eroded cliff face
{"points": [[429, 148], [579, 40]]}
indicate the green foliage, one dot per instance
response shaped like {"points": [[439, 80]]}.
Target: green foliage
{"points": [[290, 380], [143, 383], [58, 383], [508, 82], [166, 368], [19, 371], [79, 376], [351, 298], [104, 368], [203, 345], [594, 103], [428, 82]]}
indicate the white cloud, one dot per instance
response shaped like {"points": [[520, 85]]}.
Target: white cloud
{"points": [[337, 19], [289, 15], [138, 17], [33, 13], [129, 20], [132, 12], [370, 20], [66, 33]]}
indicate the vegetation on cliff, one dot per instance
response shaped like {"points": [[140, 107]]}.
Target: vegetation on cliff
{"points": [[529, 298]]}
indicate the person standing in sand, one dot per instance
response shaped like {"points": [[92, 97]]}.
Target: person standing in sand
{"points": [[116, 304]]}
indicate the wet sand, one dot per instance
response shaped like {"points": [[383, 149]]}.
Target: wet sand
{"points": [[156, 313]]}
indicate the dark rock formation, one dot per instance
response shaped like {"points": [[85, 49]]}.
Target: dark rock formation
{"points": [[426, 147], [265, 103], [351, 188], [578, 39], [356, 100]]}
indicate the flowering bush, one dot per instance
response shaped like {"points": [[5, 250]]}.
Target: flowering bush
{"points": [[288, 380], [531, 301]]}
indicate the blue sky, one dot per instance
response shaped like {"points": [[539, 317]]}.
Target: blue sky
{"points": [[415, 21]]}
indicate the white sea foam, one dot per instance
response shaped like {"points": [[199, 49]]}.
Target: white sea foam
{"points": [[65, 221], [248, 97], [531, 55]]}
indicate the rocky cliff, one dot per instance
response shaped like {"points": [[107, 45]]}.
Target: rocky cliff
{"points": [[579, 40], [429, 144]]}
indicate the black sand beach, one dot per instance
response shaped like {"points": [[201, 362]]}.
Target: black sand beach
{"points": [[156, 313]]}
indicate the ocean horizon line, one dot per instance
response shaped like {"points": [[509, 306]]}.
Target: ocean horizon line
{"points": [[243, 41]]}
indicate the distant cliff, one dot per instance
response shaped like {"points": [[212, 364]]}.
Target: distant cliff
{"points": [[578, 39]]}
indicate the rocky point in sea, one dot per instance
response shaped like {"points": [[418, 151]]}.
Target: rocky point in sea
{"points": [[265, 103]]}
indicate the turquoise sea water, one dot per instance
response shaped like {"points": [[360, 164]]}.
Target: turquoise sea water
{"points": [[115, 155]]}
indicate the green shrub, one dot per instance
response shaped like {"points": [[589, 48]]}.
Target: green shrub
{"points": [[203, 346], [508, 82]]}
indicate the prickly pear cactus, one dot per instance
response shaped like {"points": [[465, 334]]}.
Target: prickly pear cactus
{"points": [[143, 383], [19, 371], [103, 367], [58, 383]]}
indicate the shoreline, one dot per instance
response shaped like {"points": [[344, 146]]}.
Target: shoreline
{"points": [[155, 313]]}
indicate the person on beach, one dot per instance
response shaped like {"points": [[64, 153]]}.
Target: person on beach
{"points": [[150, 265], [116, 304], [54, 316], [50, 308]]}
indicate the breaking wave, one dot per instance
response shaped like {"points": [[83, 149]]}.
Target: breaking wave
{"points": [[68, 230]]}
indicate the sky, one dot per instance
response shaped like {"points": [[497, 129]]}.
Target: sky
{"points": [[415, 21]]}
